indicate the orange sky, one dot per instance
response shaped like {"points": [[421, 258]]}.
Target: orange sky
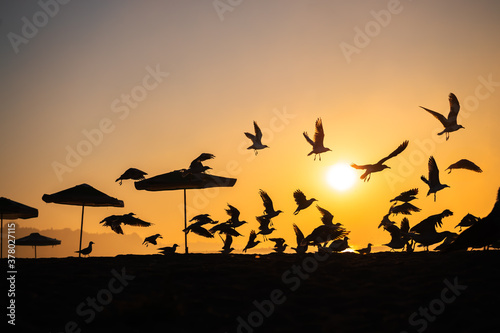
{"points": [[196, 76]]}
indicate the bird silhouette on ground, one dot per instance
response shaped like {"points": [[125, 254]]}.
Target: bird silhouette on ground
{"points": [[433, 181], [399, 235], [365, 250], [86, 251], [131, 173], [168, 249], [151, 239], [464, 164], [449, 123], [339, 245], [301, 201], [482, 233], [379, 166], [256, 139], [317, 144], [425, 232]]}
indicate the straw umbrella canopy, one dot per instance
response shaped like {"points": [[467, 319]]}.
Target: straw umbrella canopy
{"points": [[82, 195], [35, 239], [11, 210], [178, 180]]}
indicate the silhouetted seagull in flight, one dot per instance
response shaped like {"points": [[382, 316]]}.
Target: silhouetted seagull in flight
{"points": [[251, 241], [264, 229], [269, 211], [326, 216], [483, 233], [365, 250], [300, 249], [199, 230], [406, 196], [115, 222], [379, 166], [467, 221], [279, 246], [302, 202], [425, 231], [399, 236], [225, 228], [405, 209], [317, 144], [450, 123], [433, 181], [226, 249], [168, 249], [203, 219], [196, 167], [234, 213], [464, 164], [256, 139], [86, 251], [151, 239], [131, 173]]}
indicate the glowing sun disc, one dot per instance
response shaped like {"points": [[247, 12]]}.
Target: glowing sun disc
{"points": [[341, 176]]}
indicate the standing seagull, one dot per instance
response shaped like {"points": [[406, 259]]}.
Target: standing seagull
{"points": [[256, 139], [317, 144], [433, 181], [86, 251], [379, 166], [302, 202], [464, 164], [450, 123], [131, 173]]}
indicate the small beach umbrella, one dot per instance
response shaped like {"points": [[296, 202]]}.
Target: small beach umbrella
{"points": [[82, 195], [11, 210], [179, 180], [35, 239]]}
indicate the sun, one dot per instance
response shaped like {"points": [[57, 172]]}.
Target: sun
{"points": [[341, 176]]}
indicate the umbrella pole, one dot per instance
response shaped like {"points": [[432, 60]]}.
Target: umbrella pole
{"points": [[35, 251], [185, 224], [81, 231]]}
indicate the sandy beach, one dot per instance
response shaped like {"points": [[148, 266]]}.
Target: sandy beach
{"points": [[380, 292]]}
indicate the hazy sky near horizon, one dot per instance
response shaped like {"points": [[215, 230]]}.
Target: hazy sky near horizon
{"points": [[97, 87]]}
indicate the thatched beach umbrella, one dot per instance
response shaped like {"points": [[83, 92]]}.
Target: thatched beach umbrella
{"points": [[35, 239], [12, 210], [179, 180], [82, 195]]}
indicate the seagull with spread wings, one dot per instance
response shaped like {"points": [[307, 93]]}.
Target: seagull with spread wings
{"points": [[300, 249], [301, 201], [464, 164], [379, 166], [450, 123], [425, 232], [115, 222], [317, 144], [256, 139], [269, 210], [433, 180], [131, 173], [406, 196], [196, 167], [251, 241]]}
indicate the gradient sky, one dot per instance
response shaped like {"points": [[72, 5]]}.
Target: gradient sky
{"points": [[280, 63]]}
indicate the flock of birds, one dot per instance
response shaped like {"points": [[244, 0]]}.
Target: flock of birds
{"points": [[328, 236]]}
